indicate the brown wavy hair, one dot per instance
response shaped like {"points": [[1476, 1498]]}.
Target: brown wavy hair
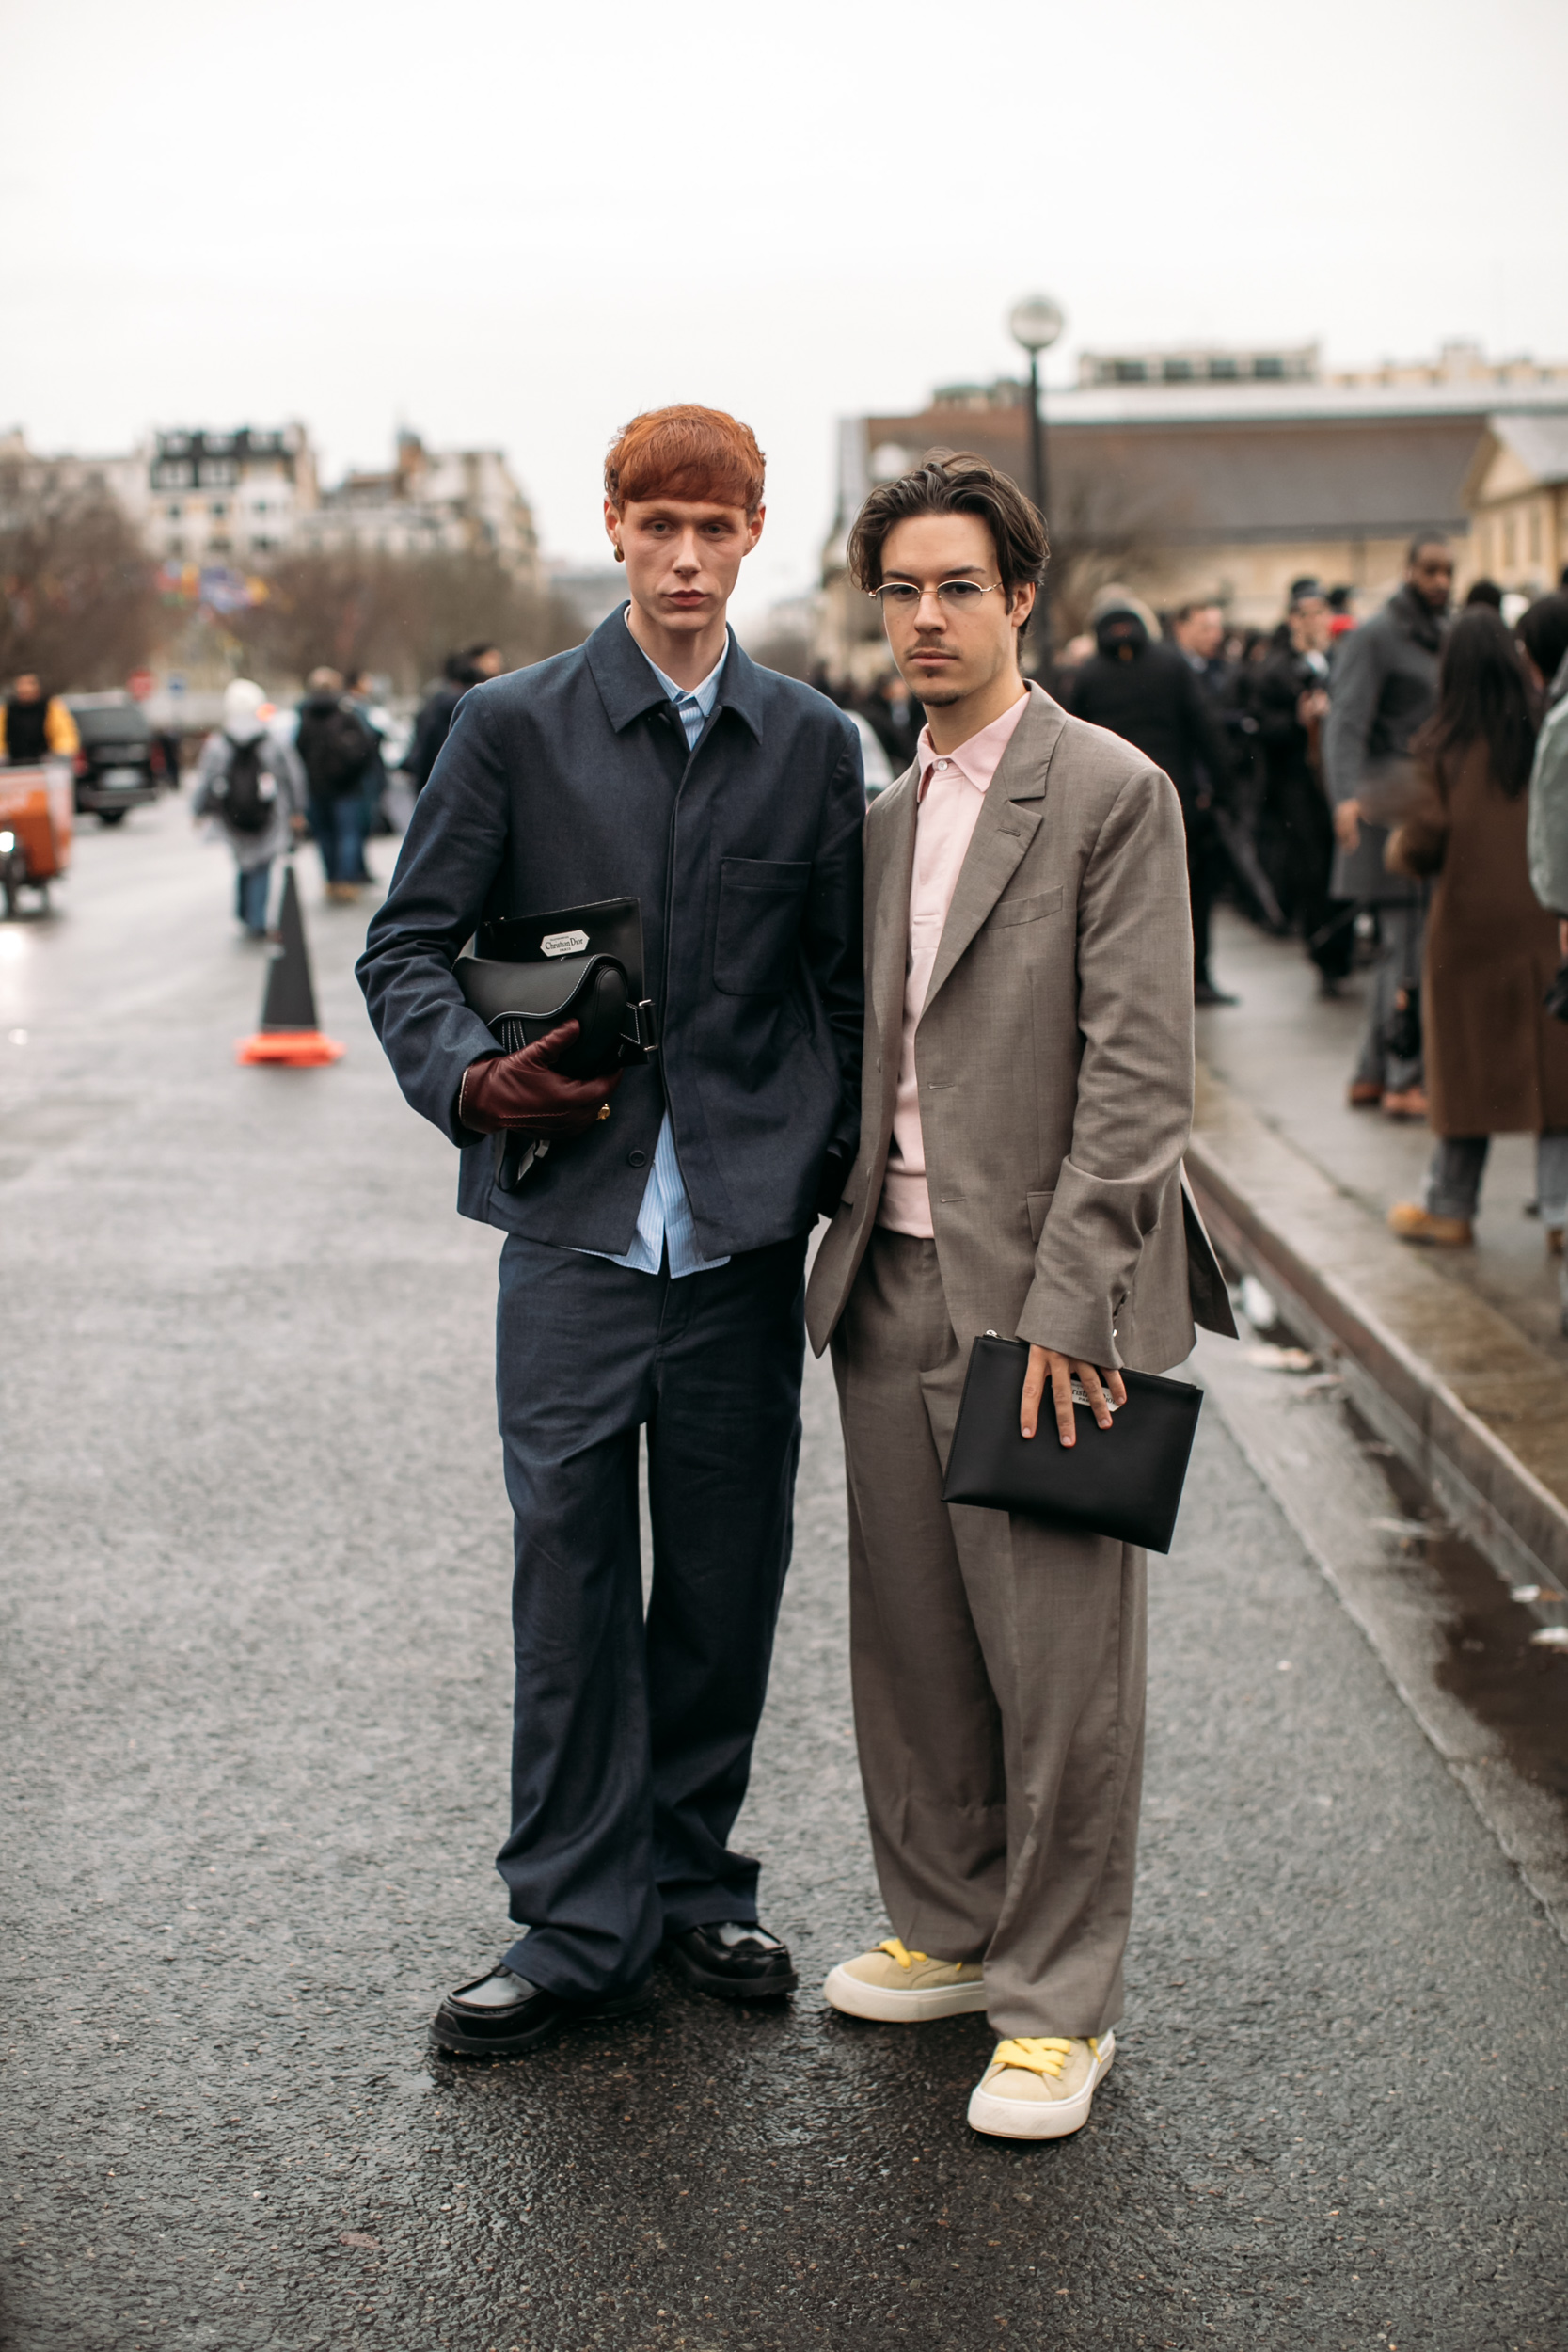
{"points": [[1482, 697], [953, 481]]}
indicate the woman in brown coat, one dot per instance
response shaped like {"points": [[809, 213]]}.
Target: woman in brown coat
{"points": [[1496, 1063]]}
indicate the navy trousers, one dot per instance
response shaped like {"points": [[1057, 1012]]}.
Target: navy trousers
{"points": [[632, 1737]]}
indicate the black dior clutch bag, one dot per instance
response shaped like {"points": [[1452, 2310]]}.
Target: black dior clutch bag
{"points": [[525, 974], [1124, 1482]]}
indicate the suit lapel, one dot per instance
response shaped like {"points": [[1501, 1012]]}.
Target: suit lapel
{"points": [[1003, 830]]}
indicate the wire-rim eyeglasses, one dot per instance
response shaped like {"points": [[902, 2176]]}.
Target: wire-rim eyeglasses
{"points": [[902, 596]]}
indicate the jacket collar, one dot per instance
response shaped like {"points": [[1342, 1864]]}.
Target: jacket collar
{"points": [[1417, 617], [627, 686], [1003, 833]]}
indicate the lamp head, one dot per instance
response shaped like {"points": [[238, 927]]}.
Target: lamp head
{"points": [[1035, 323]]}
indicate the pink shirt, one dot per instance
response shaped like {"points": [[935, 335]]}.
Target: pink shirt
{"points": [[952, 787]]}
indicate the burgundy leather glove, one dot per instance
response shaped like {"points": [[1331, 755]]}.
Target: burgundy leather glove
{"points": [[525, 1094]]}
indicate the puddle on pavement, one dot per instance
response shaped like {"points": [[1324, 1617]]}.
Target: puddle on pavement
{"points": [[1519, 1691]]}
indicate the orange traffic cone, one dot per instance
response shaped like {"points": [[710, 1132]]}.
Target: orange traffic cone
{"points": [[288, 1032]]}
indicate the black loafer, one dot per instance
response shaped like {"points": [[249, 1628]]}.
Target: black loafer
{"points": [[737, 1959], [503, 2015]]}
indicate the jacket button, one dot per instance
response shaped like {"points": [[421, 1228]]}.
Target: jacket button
{"points": [[637, 1159]]}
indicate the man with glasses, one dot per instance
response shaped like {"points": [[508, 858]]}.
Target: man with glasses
{"points": [[1025, 1099]]}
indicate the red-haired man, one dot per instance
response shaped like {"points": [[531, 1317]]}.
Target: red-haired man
{"points": [[652, 1275]]}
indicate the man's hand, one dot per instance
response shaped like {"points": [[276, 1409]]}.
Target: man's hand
{"points": [[525, 1094], [1062, 1371], [1347, 824]]}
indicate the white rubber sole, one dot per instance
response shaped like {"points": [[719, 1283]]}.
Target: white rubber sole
{"points": [[1039, 2118], [856, 1998]]}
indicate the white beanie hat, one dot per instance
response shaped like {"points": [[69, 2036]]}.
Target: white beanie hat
{"points": [[241, 703]]}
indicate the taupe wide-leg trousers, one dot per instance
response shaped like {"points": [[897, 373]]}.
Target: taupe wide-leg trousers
{"points": [[998, 1673]]}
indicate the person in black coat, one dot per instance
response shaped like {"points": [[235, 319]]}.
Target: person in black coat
{"points": [[1146, 693], [434, 723], [655, 1221], [1290, 701]]}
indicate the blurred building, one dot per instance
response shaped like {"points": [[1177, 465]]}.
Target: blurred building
{"points": [[451, 502], [1203, 471], [240, 496], [1517, 496], [595, 589], [28, 479], [225, 497]]}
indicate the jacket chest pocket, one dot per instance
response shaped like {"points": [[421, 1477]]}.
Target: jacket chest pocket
{"points": [[1011, 913], [761, 902]]}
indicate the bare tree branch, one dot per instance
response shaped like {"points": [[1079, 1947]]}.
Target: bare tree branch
{"points": [[397, 616], [78, 594]]}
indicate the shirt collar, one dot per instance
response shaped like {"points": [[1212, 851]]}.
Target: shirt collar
{"points": [[705, 695], [627, 686], [976, 760]]}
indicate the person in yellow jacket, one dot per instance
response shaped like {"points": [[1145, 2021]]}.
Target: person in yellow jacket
{"points": [[34, 726]]}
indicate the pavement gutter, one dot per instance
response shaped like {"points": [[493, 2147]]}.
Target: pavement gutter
{"points": [[1478, 1412], [1294, 1438]]}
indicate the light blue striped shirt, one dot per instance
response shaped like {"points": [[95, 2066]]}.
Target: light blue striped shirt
{"points": [[664, 1221]]}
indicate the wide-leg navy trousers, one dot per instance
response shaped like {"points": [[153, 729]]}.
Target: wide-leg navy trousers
{"points": [[632, 1740]]}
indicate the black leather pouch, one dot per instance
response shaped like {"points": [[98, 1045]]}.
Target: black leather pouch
{"points": [[1124, 1482], [525, 974]]}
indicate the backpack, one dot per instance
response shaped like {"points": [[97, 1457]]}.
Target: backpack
{"points": [[249, 793], [334, 745]]}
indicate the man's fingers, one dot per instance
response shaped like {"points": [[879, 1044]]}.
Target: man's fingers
{"points": [[549, 1048], [1061, 1390], [1089, 1379], [1102, 1389], [1034, 1388]]}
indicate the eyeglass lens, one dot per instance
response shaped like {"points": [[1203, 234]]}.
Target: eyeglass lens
{"points": [[903, 594]]}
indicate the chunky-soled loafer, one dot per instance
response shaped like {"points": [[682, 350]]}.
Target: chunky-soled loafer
{"points": [[503, 2015], [737, 1959]]}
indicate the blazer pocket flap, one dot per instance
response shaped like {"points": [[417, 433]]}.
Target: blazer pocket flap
{"points": [[1024, 910], [788, 875]]}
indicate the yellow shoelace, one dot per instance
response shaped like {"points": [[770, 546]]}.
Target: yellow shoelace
{"points": [[895, 1951], [1038, 2054]]}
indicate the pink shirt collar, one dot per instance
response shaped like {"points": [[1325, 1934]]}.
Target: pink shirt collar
{"points": [[978, 759]]}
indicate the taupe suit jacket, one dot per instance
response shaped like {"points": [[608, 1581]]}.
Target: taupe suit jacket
{"points": [[1055, 1058]]}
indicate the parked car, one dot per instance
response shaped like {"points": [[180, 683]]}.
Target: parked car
{"points": [[119, 766]]}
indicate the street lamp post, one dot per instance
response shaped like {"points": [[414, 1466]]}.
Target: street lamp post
{"points": [[1034, 323]]}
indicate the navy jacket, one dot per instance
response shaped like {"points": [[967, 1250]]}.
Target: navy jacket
{"points": [[571, 781]]}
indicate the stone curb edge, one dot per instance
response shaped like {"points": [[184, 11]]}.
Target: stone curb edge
{"points": [[1515, 1521]]}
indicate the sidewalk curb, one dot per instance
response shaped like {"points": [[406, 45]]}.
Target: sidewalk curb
{"points": [[1325, 1262]]}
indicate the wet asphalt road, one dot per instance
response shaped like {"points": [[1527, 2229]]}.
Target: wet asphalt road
{"points": [[254, 1724]]}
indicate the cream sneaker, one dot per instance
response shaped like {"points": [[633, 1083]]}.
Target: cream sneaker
{"points": [[1040, 2088], [900, 1988]]}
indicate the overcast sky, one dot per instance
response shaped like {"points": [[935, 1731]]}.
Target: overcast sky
{"points": [[518, 224]]}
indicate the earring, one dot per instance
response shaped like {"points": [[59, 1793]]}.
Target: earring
{"points": [[619, 556]]}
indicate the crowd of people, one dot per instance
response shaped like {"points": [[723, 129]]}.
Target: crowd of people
{"points": [[268, 777]]}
